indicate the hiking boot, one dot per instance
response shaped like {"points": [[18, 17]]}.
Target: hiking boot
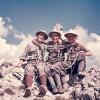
{"points": [[61, 90], [55, 91], [81, 76], [27, 93], [65, 87], [43, 90], [41, 95]]}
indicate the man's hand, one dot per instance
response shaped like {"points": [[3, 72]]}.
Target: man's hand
{"points": [[88, 53]]}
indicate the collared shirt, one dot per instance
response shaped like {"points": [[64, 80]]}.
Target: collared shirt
{"points": [[55, 52], [33, 51], [74, 50]]}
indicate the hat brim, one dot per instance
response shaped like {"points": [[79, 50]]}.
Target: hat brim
{"points": [[70, 34], [50, 34], [44, 34]]}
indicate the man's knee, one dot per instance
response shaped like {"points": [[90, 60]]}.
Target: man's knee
{"points": [[41, 69], [81, 56]]}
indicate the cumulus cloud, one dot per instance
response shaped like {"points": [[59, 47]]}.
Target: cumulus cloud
{"points": [[7, 50], [8, 19], [94, 46], [3, 30]]}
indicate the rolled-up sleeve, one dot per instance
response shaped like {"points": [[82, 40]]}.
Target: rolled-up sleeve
{"points": [[24, 54]]}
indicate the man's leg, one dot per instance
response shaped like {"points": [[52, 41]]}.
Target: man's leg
{"points": [[78, 67], [28, 81], [53, 85], [43, 79], [29, 74], [81, 65], [50, 78], [81, 62], [59, 83], [64, 83]]}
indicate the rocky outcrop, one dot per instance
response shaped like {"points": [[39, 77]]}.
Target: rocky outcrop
{"points": [[12, 88]]}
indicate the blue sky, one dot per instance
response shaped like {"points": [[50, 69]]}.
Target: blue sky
{"points": [[29, 16]]}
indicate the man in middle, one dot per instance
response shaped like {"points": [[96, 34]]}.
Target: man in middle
{"points": [[54, 62]]}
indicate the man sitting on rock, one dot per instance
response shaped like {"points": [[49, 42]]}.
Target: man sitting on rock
{"points": [[54, 62], [34, 57], [76, 55]]}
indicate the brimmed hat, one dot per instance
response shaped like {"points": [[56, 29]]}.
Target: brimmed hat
{"points": [[53, 32], [70, 34], [44, 34]]}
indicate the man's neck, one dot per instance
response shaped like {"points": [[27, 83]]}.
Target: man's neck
{"points": [[40, 42], [55, 43]]}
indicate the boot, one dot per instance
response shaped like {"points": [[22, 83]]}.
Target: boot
{"points": [[28, 83], [59, 84], [54, 91], [53, 85], [61, 90], [43, 86], [27, 93], [64, 83], [72, 80]]}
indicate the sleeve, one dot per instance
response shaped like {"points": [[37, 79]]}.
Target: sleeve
{"points": [[24, 54], [83, 48]]}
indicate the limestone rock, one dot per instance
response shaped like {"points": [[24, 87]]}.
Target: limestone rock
{"points": [[12, 88]]}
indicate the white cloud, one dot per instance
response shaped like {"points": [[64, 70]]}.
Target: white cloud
{"points": [[3, 30], [58, 27], [8, 19], [11, 51], [94, 46]]}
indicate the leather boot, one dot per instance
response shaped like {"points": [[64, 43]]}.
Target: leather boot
{"points": [[64, 83], [72, 80], [61, 90], [59, 83], [54, 91], [27, 93], [28, 83], [53, 85], [43, 86]]}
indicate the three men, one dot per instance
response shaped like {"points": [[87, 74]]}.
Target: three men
{"points": [[54, 68]]}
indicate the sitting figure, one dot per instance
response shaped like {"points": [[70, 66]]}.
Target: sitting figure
{"points": [[77, 57], [33, 57]]}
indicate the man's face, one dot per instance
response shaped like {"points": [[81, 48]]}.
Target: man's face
{"points": [[71, 39], [55, 38], [40, 37]]}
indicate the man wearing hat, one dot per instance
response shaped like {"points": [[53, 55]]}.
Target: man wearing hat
{"points": [[34, 56], [76, 53], [53, 62]]}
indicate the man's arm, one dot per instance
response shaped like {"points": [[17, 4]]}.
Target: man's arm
{"points": [[23, 56], [87, 52]]}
